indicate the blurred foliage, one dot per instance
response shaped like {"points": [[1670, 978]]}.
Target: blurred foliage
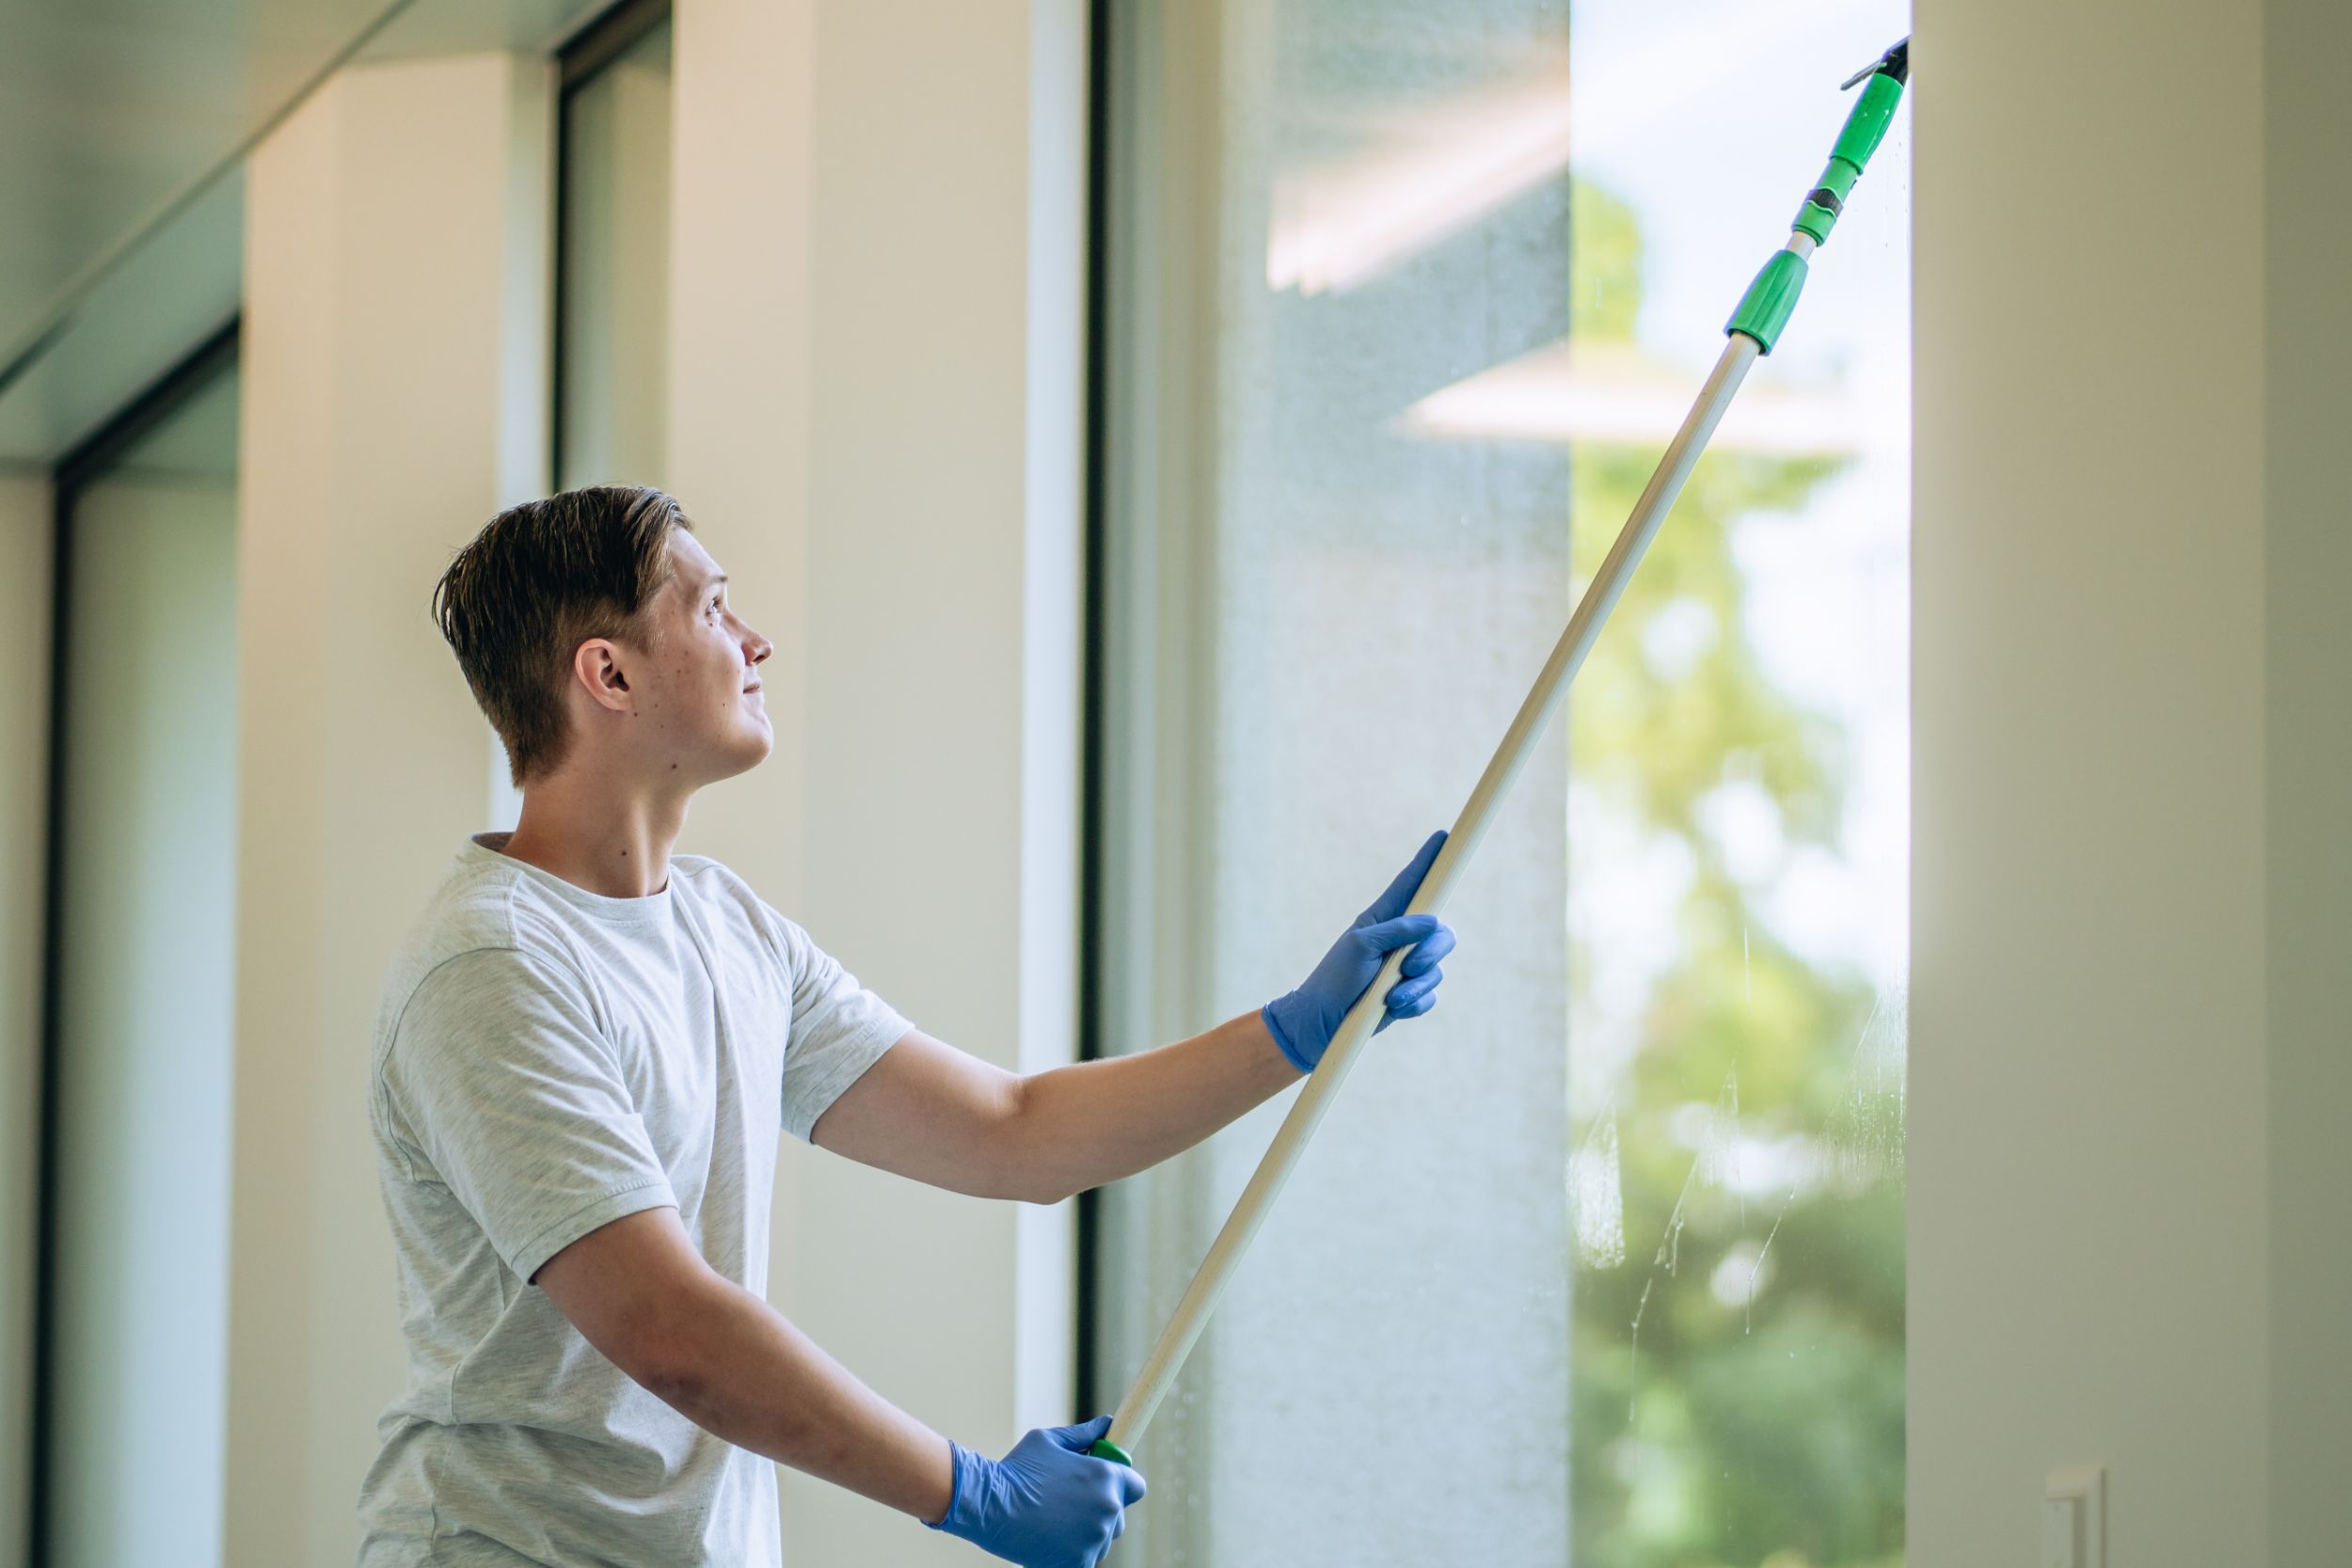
{"points": [[1765, 1431]]}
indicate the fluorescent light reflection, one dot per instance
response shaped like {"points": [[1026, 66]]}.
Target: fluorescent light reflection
{"points": [[1430, 171], [1613, 393], [1341, 222]]}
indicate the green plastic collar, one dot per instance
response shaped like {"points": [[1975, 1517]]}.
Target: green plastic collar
{"points": [[1767, 306]]}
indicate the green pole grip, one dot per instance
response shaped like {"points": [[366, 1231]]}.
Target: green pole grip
{"points": [[1867, 126], [1105, 1448], [1770, 301]]}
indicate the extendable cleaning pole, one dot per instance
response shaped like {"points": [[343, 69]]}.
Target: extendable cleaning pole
{"points": [[1755, 326]]}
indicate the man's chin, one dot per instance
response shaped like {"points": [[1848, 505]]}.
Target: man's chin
{"points": [[738, 751], [757, 744]]}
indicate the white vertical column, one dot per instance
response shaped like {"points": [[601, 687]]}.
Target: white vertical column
{"points": [[877, 317], [24, 607], [394, 395], [2089, 1262]]}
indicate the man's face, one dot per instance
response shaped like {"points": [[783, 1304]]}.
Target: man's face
{"points": [[699, 707]]}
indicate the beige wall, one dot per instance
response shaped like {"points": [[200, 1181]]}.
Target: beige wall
{"points": [[876, 420], [394, 398], [2128, 990], [24, 603]]}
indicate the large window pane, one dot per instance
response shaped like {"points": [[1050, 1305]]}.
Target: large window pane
{"points": [[1603, 1263], [136, 1306], [613, 330], [1322, 619]]}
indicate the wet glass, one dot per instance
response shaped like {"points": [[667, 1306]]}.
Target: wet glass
{"points": [[1602, 1263], [1323, 616]]}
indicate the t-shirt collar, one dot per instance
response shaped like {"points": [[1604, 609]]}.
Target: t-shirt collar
{"points": [[489, 847]]}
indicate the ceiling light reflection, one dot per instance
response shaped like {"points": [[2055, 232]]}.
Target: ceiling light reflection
{"points": [[1341, 222], [1611, 393]]}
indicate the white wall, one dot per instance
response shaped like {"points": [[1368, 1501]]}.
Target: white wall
{"points": [[395, 358], [2126, 1055], [876, 386], [24, 604]]}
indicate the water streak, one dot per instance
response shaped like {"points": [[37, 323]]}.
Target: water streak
{"points": [[1669, 1244], [1633, 1352], [1756, 1270]]}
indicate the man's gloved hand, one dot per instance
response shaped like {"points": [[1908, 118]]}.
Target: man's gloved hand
{"points": [[1304, 1020], [1048, 1503]]}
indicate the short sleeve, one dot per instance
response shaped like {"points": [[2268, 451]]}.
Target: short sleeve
{"points": [[506, 1088], [838, 1030]]}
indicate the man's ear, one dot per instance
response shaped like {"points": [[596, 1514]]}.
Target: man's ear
{"points": [[596, 666]]}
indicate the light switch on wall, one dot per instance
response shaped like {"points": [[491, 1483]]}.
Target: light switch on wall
{"points": [[2062, 1533], [2074, 1518]]}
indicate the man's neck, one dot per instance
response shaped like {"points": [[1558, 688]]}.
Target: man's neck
{"points": [[615, 845]]}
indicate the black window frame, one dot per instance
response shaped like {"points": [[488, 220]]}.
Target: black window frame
{"points": [[1093, 633]]}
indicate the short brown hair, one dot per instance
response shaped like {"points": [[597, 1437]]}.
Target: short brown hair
{"points": [[536, 582]]}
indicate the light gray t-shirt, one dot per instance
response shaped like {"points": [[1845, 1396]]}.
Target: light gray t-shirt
{"points": [[547, 1059]]}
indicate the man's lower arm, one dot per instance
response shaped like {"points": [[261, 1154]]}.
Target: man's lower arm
{"points": [[738, 1369], [1091, 1122]]}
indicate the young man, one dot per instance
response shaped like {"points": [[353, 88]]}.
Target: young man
{"points": [[585, 1053]]}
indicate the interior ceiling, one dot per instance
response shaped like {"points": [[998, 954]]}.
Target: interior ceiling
{"points": [[122, 129]]}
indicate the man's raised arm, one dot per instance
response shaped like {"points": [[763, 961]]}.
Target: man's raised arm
{"points": [[927, 1111]]}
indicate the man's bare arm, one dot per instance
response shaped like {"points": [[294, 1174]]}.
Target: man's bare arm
{"points": [[931, 1112], [725, 1359]]}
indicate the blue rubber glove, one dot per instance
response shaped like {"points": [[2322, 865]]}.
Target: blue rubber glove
{"points": [[1304, 1020], [1047, 1504]]}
